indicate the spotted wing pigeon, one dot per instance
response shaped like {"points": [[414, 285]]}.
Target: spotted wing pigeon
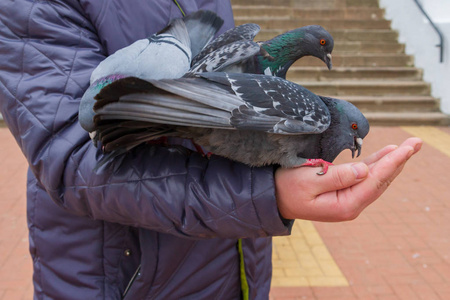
{"points": [[254, 119], [235, 51]]}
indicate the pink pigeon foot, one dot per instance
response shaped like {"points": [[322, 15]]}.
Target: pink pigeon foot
{"points": [[318, 163]]}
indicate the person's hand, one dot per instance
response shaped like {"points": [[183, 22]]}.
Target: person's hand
{"points": [[346, 190]]}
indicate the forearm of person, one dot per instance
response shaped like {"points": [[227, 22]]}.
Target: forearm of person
{"points": [[46, 71]]}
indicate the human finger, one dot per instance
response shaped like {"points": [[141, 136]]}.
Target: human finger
{"points": [[415, 142], [374, 157], [353, 200], [338, 177], [381, 175]]}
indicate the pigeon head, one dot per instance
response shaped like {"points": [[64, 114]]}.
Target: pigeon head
{"points": [[347, 129], [283, 50], [318, 42]]}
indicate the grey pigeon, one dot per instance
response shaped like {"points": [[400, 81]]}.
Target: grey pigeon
{"points": [[235, 51], [166, 54], [254, 119]]}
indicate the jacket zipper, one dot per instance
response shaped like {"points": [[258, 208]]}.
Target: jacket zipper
{"points": [[133, 278]]}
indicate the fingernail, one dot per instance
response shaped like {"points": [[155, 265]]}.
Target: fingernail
{"points": [[360, 169], [417, 147], [410, 153]]}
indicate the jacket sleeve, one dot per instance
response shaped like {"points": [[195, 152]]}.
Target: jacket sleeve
{"points": [[49, 49]]}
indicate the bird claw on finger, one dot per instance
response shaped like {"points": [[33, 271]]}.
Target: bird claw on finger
{"points": [[318, 163]]}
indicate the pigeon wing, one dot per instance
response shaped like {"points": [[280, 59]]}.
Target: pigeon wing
{"points": [[244, 32], [181, 102], [215, 100], [273, 104], [231, 54]]}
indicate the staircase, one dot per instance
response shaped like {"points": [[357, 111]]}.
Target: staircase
{"points": [[370, 67]]}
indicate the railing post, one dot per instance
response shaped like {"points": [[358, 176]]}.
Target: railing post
{"points": [[441, 36]]}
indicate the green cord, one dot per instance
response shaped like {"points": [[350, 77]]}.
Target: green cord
{"points": [[244, 283], [179, 7]]}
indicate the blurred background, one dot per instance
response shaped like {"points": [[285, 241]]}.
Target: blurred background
{"points": [[386, 62], [385, 58]]}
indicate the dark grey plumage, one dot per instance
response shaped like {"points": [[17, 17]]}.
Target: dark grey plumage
{"points": [[235, 51], [254, 119], [245, 32]]}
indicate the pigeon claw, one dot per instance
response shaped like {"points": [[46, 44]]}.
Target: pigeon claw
{"points": [[318, 163]]}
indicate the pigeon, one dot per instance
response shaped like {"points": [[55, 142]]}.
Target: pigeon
{"points": [[254, 119], [235, 51], [167, 54]]}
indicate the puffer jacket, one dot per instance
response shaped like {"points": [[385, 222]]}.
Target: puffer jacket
{"points": [[158, 222]]}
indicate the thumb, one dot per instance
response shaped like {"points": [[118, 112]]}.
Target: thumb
{"points": [[341, 176]]}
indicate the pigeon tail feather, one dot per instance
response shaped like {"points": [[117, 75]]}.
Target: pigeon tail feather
{"points": [[202, 27], [177, 28]]}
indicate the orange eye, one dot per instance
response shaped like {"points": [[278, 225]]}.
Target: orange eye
{"points": [[354, 126], [323, 42]]}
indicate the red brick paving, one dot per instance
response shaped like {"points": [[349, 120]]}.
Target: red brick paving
{"points": [[15, 261], [399, 248]]}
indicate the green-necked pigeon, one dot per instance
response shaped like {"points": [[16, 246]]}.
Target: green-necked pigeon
{"points": [[254, 119]]}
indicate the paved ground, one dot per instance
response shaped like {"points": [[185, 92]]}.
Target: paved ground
{"points": [[399, 248]]}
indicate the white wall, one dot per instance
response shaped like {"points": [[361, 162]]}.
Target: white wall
{"points": [[420, 38]]}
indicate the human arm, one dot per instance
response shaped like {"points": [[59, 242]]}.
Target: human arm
{"points": [[49, 50], [346, 190]]}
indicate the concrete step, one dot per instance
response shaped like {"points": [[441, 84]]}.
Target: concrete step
{"points": [[261, 2], [359, 35], [356, 47], [251, 11], [367, 88], [368, 47], [310, 4], [407, 118], [288, 23], [395, 103], [361, 3], [361, 60], [354, 73]]}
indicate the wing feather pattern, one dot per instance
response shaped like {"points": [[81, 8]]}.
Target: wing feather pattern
{"points": [[244, 32], [216, 100], [232, 54]]}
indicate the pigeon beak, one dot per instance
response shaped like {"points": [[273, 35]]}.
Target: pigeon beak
{"points": [[357, 147], [359, 143], [327, 60]]}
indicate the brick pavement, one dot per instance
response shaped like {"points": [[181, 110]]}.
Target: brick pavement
{"points": [[399, 248], [15, 261]]}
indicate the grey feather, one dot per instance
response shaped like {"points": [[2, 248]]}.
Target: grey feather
{"points": [[244, 32], [201, 27], [169, 52], [265, 120], [226, 56]]}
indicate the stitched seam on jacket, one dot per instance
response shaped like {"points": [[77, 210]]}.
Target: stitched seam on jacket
{"points": [[253, 201], [77, 166], [14, 92], [103, 260], [35, 179], [225, 213], [122, 182], [33, 234], [187, 254], [220, 295], [68, 75]]}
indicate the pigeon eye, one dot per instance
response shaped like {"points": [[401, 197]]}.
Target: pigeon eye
{"points": [[354, 126], [323, 42]]}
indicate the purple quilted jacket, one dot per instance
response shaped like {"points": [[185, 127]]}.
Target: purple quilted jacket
{"points": [[157, 223]]}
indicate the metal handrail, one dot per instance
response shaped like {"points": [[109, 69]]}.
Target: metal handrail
{"points": [[441, 36]]}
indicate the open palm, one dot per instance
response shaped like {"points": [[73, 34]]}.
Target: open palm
{"points": [[346, 190]]}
